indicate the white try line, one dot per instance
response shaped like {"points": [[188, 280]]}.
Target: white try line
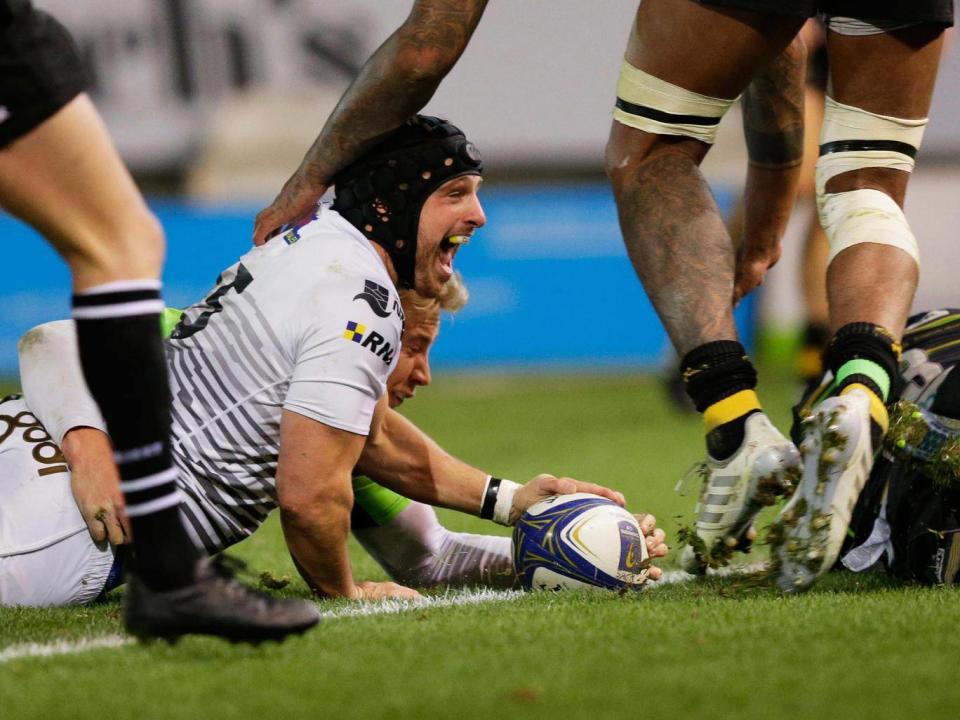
{"points": [[62, 647], [452, 598], [382, 607]]}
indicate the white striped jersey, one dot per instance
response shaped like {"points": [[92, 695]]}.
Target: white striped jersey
{"points": [[309, 322]]}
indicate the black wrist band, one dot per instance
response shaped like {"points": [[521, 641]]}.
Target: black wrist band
{"points": [[490, 498]]}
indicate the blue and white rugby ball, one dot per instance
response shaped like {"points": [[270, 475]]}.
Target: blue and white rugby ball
{"points": [[571, 542]]}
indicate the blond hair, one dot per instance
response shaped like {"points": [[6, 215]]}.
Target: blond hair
{"points": [[452, 298]]}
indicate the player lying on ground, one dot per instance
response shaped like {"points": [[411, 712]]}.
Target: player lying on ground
{"points": [[405, 537], [278, 376], [49, 560], [908, 516]]}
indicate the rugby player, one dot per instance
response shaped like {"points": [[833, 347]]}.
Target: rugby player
{"points": [[60, 172], [278, 375], [404, 536]]}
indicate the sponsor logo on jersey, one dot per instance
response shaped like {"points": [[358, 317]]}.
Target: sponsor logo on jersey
{"points": [[376, 296], [44, 450], [355, 332], [372, 341]]}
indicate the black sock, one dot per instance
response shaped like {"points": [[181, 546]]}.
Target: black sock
{"points": [[868, 342], [123, 360], [712, 373]]}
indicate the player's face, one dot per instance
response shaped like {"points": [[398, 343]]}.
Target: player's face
{"points": [[413, 364], [452, 211]]}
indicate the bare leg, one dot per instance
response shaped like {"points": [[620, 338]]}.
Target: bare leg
{"points": [[685, 258], [672, 228], [65, 179], [889, 74]]}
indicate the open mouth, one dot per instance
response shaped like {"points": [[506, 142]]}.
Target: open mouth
{"points": [[448, 251]]}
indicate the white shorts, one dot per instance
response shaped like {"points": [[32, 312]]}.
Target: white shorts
{"points": [[47, 557]]}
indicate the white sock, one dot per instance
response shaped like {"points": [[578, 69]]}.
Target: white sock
{"points": [[415, 549]]}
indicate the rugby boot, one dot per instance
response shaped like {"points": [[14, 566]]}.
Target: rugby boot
{"points": [[837, 451], [735, 490], [215, 604]]}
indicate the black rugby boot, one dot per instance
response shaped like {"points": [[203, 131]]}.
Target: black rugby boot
{"points": [[217, 604]]}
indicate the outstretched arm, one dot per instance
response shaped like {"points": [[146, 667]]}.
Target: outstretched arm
{"points": [[402, 457], [396, 82], [773, 128]]}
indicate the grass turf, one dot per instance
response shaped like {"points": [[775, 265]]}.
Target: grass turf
{"points": [[855, 646]]}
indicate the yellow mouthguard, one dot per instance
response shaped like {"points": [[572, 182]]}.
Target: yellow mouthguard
{"points": [[459, 239]]}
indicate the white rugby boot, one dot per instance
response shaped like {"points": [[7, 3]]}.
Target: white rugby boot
{"points": [[837, 458], [735, 490]]}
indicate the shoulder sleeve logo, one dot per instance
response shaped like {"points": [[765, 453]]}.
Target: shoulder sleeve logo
{"points": [[376, 296]]}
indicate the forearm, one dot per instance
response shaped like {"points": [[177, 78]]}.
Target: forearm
{"points": [[317, 539], [403, 458], [773, 129], [396, 82]]}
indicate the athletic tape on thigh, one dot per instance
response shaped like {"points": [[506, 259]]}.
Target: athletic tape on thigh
{"points": [[655, 106], [852, 139]]}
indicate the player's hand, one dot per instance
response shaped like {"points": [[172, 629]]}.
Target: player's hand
{"points": [[656, 542], [752, 266], [544, 485], [369, 590], [95, 483], [297, 199]]}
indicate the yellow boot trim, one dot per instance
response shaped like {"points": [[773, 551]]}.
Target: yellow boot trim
{"points": [[878, 411], [730, 408]]}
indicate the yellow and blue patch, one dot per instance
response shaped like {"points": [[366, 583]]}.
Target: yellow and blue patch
{"points": [[355, 331]]}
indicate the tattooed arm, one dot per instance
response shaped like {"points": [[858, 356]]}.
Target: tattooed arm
{"points": [[396, 82], [773, 127]]}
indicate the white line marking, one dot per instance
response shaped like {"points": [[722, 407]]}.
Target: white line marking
{"points": [[62, 647], [449, 599], [452, 598], [382, 607]]}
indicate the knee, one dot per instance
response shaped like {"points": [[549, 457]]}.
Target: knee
{"points": [[128, 245], [630, 153], [140, 244]]}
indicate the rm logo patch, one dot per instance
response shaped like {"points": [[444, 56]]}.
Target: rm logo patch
{"points": [[372, 340]]}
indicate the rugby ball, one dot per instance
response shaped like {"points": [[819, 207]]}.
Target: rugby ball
{"points": [[578, 541]]}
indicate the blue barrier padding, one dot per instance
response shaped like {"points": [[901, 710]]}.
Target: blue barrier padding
{"points": [[550, 282]]}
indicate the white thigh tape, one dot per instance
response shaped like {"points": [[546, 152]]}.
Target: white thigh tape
{"points": [[852, 139], [859, 28], [650, 104], [865, 216]]}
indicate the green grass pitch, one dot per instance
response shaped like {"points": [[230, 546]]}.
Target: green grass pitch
{"points": [[854, 647]]}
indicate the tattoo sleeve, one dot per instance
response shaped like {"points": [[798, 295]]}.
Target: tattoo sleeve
{"points": [[396, 82], [773, 111], [773, 127]]}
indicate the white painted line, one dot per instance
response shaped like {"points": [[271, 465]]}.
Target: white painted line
{"points": [[62, 647], [383, 607], [449, 599]]}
